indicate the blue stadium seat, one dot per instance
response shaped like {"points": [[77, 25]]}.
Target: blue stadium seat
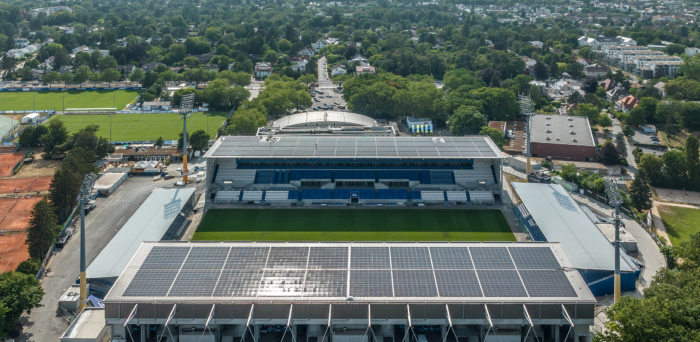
{"points": [[425, 177], [392, 194], [264, 177], [294, 194], [415, 195], [315, 194], [442, 177]]}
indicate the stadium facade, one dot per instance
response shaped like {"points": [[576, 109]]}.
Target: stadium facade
{"points": [[350, 292], [330, 170]]}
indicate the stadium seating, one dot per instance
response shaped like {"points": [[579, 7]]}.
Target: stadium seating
{"points": [[249, 195], [529, 223], [296, 175], [482, 197], [227, 196], [392, 194], [346, 193], [433, 196], [459, 196], [315, 194], [264, 177], [442, 177], [479, 173], [415, 195], [410, 175], [425, 177], [294, 194], [351, 174], [272, 196]]}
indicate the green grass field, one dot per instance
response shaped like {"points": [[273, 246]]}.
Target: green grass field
{"points": [[142, 127], [680, 222], [47, 100], [353, 225]]}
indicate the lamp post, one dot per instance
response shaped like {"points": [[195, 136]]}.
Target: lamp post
{"points": [[207, 123], [615, 199], [84, 197], [528, 111], [110, 129], [186, 104]]}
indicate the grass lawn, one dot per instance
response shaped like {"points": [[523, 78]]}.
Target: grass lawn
{"points": [[46, 100], [353, 225], [142, 127], [680, 222]]}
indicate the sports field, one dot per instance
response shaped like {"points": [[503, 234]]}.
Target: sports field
{"points": [[353, 225], [141, 127], [48, 100], [680, 222]]}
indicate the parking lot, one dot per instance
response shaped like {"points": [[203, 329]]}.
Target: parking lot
{"points": [[645, 138], [321, 100]]}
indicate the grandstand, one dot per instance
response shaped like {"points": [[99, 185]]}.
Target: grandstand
{"points": [[328, 170]]}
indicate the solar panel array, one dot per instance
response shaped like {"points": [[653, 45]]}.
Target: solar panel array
{"points": [[331, 271], [328, 147]]}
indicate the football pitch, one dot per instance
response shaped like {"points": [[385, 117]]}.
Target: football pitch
{"points": [[353, 225], [59, 100], [142, 127]]}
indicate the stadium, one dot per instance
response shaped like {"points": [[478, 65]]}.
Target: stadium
{"points": [[360, 171]]}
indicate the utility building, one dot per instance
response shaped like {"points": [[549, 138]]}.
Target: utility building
{"points": [[562, 137]]}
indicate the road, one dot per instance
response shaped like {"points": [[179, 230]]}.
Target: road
{"points": [[632, 165], [101, 225], [324, 81]]}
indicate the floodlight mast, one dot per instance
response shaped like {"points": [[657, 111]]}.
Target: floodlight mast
{"points": [[186, 104], [615, 199], [528, 111], [84, 197]]}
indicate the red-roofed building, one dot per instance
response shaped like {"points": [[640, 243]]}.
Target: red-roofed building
{"points": [[584, 61], [359, 70], [626, 104]]}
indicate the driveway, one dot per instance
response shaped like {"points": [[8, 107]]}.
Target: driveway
{"points": [[632, 165]]}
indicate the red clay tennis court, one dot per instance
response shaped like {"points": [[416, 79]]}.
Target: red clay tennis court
{"points": [[13, 250], [8, 161], [12, 185]]}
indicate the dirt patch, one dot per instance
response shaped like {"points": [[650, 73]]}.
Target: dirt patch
{"points": [[8, 161], [23, 185], [13, 250], [38, 168]]}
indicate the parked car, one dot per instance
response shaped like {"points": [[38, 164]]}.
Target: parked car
{"points": [[656, 143], [315, 108]]}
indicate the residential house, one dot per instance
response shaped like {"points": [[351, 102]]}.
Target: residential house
{"points": [[323, 42], [617, 93], [64, 29], [212, 67], [48, 10], [692, 51], [80, 49], [660, 87], [17, 53], [596, 71], [599, 42], [537, 43], [560, 90], [607, 84], [126, 69], [32, 48], [263, 69], [150, 66], [64, 69], [299, 62], [584, 61], [21, 43], [626, 104], [360, 59], [307, 51], [203, 59], [359, 70], [338, 70]]}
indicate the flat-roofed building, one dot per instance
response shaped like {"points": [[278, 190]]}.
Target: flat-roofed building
{"points": [[562, 137]]}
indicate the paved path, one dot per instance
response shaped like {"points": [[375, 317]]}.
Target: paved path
{"points": [[659, 223]]}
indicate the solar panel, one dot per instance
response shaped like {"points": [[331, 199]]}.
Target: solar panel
{"points": [[410, 258], [370, 283], [534, 258], [491, 258], [414, 283], [501, 283], [324, 258], [238, 283], [194, 283], [326, 283], [151, 283], [288, 258], [547, 283], [451, 258], [370, 258], [212, 258], [163, 258], [247, 258], [458, 283], [282, 283]]}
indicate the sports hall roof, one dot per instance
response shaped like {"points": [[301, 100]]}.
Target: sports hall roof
{"points": [[355, 147], [324, 118], [172, 272], [561, 130], [149, 223], [563, 221]]}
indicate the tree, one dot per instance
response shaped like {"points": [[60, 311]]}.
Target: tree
{"points": [[246, 121], [604, 120], [31, 135], [181, 142], [42, 231], [19, 292], [466, 120], [136, 75], [499, 104], [636, 117], [590, 85], [609, 154], [628, 131], [640, 192], [569, 173], [495, 135], [674, 171], [652, 166], [692, 161], [51, 78], [588, 110], [159, 142], [29, 266], [63, 192], [111, 75], [541, 71], [621, 144], [57, 135], [106, 62], [199, 139], [82, 74], [575, 97]]}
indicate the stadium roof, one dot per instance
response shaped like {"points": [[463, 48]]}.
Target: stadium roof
{"points": [[561, 220], [325, 118], [355, 147], [361, 272], [149, 223], [561, 127]]}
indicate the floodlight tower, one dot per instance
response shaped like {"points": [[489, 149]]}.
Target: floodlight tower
{"points": [[186, 104], [615, 199], [528, 111], [84, 197]]}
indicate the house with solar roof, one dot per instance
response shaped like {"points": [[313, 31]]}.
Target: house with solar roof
{"points": [[314, 170]]}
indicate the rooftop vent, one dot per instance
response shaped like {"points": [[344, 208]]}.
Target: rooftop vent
{"points": [[548, 138], [570, 125], [548, 130], [571, 119], [574, 139], [547, 117], [557, 138], [548, 124], [572, 132], [439, 140]]}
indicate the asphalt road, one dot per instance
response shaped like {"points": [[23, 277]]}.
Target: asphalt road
{"points": [[101, 225]]}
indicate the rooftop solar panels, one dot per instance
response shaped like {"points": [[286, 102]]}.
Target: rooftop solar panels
{"points": [[314, 271], [357, 147]]}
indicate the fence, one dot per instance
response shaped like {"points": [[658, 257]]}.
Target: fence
{"points": [[21, 162], [53, 246]]}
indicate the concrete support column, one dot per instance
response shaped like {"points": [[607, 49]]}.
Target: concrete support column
{"points": [[582, 330], [257, 331], [294, 332], [443, 331], [557, 328], [144, 329]]}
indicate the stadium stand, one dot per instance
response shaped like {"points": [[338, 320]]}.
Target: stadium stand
{"points": [[226, 196], [442, 177], [315, 194], [252, 195], [433, 196], [481, 197], [529, 223], [273, 196], [456, 196]]}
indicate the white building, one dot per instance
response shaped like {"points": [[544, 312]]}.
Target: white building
{"points": [[80, 49], [360, 59], [17, 53], [156, 105], [21, 43], [30, 118], [537, 43], [599, 42], [263, 69], [307, 52], [323, 42], [299, 65], [692, 51], [49, 10], [338, 70]]}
